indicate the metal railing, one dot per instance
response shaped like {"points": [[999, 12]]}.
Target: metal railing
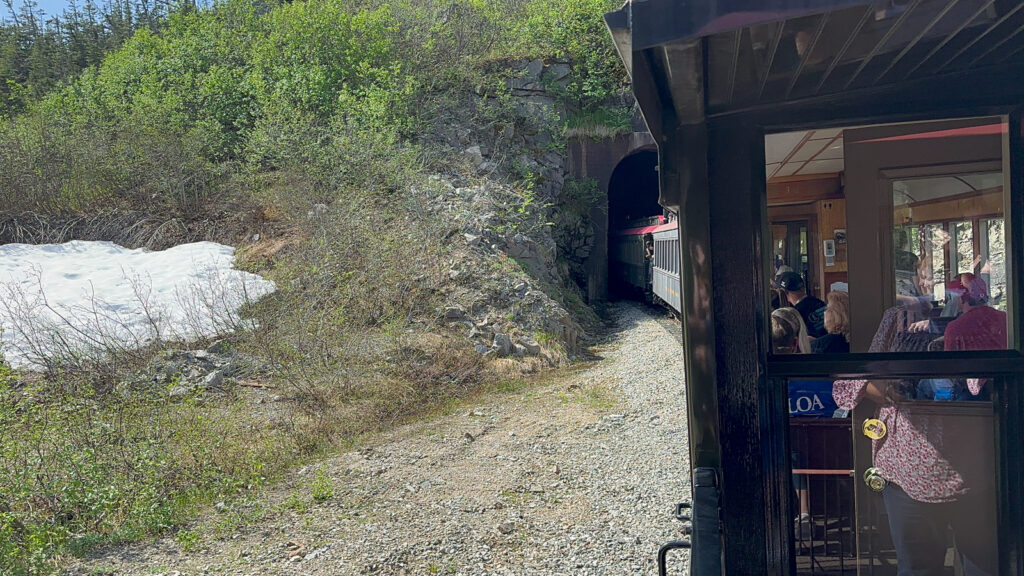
{"points": [[826, 543]]}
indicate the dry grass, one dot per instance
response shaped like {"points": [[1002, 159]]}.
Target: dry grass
{"points": [[261, 254], [227, 224]]}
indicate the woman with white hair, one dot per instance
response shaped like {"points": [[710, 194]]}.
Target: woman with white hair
{"points": [[837, 324], [789, 333]]}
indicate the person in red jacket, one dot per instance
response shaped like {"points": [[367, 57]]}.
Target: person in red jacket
{"points": [[979, 326]]}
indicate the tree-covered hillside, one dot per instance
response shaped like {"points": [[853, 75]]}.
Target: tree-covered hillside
{"points": [[39, 52], [200, 97]]}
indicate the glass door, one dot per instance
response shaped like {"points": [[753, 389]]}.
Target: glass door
{"points": [[893, 412], [925, 472], [790, 249]]}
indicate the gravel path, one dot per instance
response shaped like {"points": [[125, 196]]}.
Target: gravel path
{"points": [[577, 477]]}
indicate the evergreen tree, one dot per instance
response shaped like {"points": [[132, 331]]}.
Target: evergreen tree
{"points": [[37, 55]]}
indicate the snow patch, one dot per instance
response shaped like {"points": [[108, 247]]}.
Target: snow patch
{"points": [[84, 296]]}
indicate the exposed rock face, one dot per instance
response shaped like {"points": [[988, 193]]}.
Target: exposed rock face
{"points": [[502, 344], [510, 277], [530, 81], [530, 345], [454, 313], [475, 155]]}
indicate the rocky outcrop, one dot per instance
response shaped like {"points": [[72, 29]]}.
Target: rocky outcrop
{"points": [[510, 266], [503, 270], [186, 372]]}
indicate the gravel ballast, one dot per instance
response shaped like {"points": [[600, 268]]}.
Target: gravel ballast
{"points": [[578, 476]]}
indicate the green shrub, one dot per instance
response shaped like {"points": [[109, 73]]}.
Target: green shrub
{"points": [[574, 30], [82, 469], [321, 56]]}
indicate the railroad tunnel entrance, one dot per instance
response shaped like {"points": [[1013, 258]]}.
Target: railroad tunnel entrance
{"points": [[619, 177], [632, 204], [633, 190]]}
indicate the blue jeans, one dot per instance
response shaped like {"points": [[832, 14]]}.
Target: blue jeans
{"points": [[919, 534]]}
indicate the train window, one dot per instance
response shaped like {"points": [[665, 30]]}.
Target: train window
{"points": [[949, 259], [931, 276], [949, 248]]}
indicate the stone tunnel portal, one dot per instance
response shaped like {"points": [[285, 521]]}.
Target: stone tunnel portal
{"points": [[632, 198], [624, 169]]}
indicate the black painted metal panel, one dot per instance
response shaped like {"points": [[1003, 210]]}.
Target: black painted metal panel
{"points": [[658, 22], [734, 152], [1014, 152], [898, 365], [684, 176], [1009, 395], [1009, 405], [767, 52]]}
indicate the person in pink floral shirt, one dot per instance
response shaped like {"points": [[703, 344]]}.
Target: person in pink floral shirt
{"points": [[938, 466]]}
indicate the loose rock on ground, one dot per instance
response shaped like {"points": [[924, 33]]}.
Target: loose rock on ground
{"points": [[575, 477]]}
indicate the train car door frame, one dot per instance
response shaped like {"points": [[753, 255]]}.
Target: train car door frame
{"points": [[751, 427]]}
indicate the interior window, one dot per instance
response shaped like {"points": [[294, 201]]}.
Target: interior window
{"points": [[949, 258], [889, 239]]}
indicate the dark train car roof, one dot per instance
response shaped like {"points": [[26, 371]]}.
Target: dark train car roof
{"points": [[657, 22]]}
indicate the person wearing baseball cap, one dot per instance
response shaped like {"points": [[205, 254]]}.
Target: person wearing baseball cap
{"points": [[776, 299], [793, 290]]}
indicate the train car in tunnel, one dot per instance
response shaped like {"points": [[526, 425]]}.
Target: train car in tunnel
{"points": [[633, 215], [870, 156], [665, 265], [631, 258], [644, 261]]}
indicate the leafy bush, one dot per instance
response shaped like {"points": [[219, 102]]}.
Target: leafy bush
{"points": [[80, 469], [322, 58], [574, 30], [170, 114]]}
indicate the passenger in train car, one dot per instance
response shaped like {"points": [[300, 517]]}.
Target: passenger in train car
{"points": [[780, 269], [789, 336], [789, 333], [904, 329], [837, 324], [914, 284], [979, 326], [812, 310], [932, 468]]}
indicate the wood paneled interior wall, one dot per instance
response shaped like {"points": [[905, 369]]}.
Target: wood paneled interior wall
{"points": [[818, 199], [832, 225], [981, 204], [804, 189]]}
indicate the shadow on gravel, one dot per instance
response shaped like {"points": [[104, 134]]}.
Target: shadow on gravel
{"points": [[616, 321]]}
